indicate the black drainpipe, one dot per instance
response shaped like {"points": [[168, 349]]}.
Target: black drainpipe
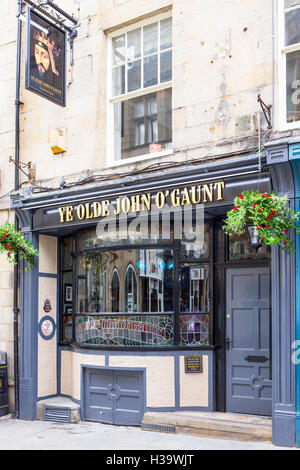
{"points": [[17, 159]]}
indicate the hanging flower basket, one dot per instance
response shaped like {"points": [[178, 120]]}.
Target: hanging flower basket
{"points": [[270, 215], [12, 242]]}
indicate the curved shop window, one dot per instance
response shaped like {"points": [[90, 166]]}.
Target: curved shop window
{"points": [[118, 295]]}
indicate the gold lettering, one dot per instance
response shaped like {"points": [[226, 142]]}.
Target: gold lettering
{"points": [[62, 211], [194, 199], [220, 186], [105, 210], [146, 201], [207, 191], [185, 198], [117, 211], [160, 199], [125, 205], [69, 214], [81, 212], [135, 202], [88, 215], [175, 198], [97, 209]]}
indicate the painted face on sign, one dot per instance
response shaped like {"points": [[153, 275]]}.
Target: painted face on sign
{"points": [[42, 58]]}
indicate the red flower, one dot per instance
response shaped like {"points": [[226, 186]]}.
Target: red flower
{"points": [[9, 254], [6, 235], [260, 209], [268, 218], [286, 231], [254, 205], [265, 195], [258, 227], [285, 242], [8, 247], [241, 196], [235, 208], [268, 226], [273, 213]]}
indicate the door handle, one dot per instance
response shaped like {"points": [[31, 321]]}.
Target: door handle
{"points": [[228, 343]]}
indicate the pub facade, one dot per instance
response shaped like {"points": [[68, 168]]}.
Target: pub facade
{"points": [[139, 302]]}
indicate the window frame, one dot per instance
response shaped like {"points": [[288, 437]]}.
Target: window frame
{"points": [[142, 92], [283, 50]]}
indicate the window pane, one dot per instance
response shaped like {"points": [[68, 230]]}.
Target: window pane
{"points": [[115, 292], [190, 247], [240, 248], [67, 250], [134, 44], [166, 66], [292, 27], [150, 71], [293, 84], [140, 134], [134, 75], [87, 239], [119, 50], [194, 289], [145, 277], [119, 80], [157, 126], [150, 38], [166, 33]]}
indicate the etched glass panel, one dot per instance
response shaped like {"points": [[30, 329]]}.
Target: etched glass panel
{"points": [[194, 330], [125, 330]]}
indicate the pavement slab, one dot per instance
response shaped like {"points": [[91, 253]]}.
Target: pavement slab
{"points": [[43, 435]]}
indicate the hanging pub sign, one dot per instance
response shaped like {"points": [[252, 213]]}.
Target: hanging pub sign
{"points": [[46, 56]]}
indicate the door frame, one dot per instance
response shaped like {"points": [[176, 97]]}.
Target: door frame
{"points": [[84, 367], [221, 264], [267, 267]]}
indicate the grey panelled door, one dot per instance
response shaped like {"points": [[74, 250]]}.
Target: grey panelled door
{"points": [[114, 396], [248, 384], [98, 401]]}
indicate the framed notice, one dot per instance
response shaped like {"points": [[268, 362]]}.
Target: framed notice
{"points": [[193, 364], [46, 57]]}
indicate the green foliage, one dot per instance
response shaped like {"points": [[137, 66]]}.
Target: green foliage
{"points": [[12, 242], [269, 213]]}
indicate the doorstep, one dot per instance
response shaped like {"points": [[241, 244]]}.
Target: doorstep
{"points": [[58, 409], [208, 424]]}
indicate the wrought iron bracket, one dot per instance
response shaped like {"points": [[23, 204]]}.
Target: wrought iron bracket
{"points": [[59, 18], [21, 165], [266, 110]]}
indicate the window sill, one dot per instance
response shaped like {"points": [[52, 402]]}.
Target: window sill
{"points": [[141, 158]]}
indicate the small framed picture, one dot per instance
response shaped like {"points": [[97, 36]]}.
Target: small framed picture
{"points": [[68, 309], [68, 293]]}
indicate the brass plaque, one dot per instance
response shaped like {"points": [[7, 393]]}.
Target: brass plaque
{"points": [[193, 364]]}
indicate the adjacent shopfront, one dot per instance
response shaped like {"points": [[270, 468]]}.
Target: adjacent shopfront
{"points": [[141, 303]]}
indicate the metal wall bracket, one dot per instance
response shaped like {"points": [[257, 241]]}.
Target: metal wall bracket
{"points": [[266, 110]]}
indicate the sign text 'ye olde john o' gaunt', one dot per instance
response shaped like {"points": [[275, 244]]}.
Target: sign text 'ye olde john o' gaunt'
{"points": [[198, 194]]}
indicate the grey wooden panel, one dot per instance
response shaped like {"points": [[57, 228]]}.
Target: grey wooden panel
{"points": [[129, 403], [248, 384], [114, 396], [98, 402]]}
